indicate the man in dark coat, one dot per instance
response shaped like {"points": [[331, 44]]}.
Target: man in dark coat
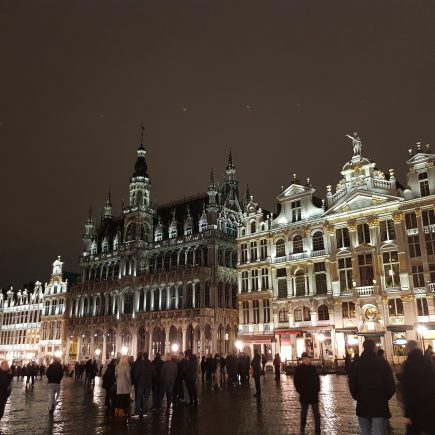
{"points": [[256, 372], [191, 373], [54, 376], [307, 384], [169, 375], [144, 378], [134, 367], [418, 390], [157, 381], [109, 384], [5, 386], [372, 385]]}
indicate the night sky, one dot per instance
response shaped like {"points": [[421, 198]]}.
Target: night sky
{"points": [[279, 82]]}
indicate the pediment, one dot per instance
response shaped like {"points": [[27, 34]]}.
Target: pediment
{"points": [[420, 158], [295, 191], [358, 200]]}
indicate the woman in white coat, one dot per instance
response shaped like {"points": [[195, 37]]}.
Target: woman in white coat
{"points": [[123, 387]]}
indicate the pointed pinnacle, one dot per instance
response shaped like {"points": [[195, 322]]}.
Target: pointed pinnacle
{"points": [[230, 158], [212, 178]]}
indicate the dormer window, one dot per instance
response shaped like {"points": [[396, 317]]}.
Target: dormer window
{"points": [[93, 248], [424, 184], [158, 236], [188, 230], [105, 246], [296, 211], [115, 243], [253, 227], [202, 225], [173, 232]]}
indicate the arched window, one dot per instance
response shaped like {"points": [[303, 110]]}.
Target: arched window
{"points": [[164, 304], [280, 248], [174, 258], [306, 314], [130, 233], [318, 243], [297, 314], [128, 303], [323, 312], [298, 244], [300, 283], [253, 227], [189, 295], [283, 315]]}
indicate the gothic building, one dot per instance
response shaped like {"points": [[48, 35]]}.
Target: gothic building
{"points": [[324, 274], [158, 279]]}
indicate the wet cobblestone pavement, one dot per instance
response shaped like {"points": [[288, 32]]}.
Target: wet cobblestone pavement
{"points": [[232, 411]]}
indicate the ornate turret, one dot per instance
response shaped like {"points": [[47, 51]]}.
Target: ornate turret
{"points": [[140, 182], [108, 207], [89, 232]]}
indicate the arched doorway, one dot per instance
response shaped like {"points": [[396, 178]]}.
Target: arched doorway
{"points": [[158, 343]]}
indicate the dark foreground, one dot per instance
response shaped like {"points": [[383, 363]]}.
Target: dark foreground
{"points": [[232, 411]]}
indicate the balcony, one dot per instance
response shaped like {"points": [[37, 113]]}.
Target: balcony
{"points": [[368, 290], [292, 257]]}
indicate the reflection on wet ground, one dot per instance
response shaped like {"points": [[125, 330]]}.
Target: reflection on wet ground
{"points": [[232, 411]]}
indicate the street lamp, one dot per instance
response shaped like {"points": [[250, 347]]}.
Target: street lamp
{"points": [[239, 345], [58, 353], [421, 329], [175, 347], [124, 350], [322, 339], [98, 352]]}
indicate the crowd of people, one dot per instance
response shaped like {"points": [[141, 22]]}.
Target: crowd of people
{"points": [[175, 377]]}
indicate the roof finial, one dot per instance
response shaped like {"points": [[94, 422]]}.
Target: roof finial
{"points": [[142, 128], [212, 178]]}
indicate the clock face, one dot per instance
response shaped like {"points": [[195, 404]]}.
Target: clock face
{"points": [[371, 312]]}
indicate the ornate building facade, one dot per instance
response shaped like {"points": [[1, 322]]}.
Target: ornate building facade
{"points": [[323, 274], [158, 279], [33, 322]]}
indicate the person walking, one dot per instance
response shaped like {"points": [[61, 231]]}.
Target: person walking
{"points": [[134, 367], [5, 386], [157, 381], [203, 364], [169, 375], [109, 384], [123, 387], [256, 373], [418, 391], [277, 366], [144, 374], [191, 376], [307, 384], [218, 372], [54, 375], [372, 385]]}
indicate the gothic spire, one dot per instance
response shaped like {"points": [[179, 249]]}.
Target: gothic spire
{"points": [[141, 168]]}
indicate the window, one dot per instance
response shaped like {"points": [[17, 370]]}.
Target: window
{"points": [[296, 211], [282, 288], [253, 251], [323, 312], [414, 246], [253, 227], [254, 280], [363, 234], [263, 249], [280, 248], [432, 272], [365, 262], [424, 184], [245, 312], [391, 268], [422, 309], [348, 310], [318, 243], [244, 252], [395, 307], [300, 283], [264, 278], [345, 273], [428, 217], [298, 244], [128, 303], [320, 278], [343, 240], [410, 221], [302, 314], [256, 312], [245, 281], [282, 315], [417, 276], [429, 238], [388, 231], [266, 310]]}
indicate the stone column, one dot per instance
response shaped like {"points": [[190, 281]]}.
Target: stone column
{"points": [[183, 331], [104, 350], [134, 343]]}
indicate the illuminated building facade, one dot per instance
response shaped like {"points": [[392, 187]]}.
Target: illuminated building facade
{"points": [[323, 274], [158, 279]]}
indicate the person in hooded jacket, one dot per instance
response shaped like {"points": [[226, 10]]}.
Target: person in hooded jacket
{"points": [[307, 384], [418, 392], [372, 385]]}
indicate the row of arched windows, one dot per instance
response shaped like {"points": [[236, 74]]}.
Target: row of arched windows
{"points": [[298, 245]]}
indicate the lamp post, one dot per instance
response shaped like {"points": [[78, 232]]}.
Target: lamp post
{"points": [[322, 339], [239, 345], [421, 329], [175, 347]]}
